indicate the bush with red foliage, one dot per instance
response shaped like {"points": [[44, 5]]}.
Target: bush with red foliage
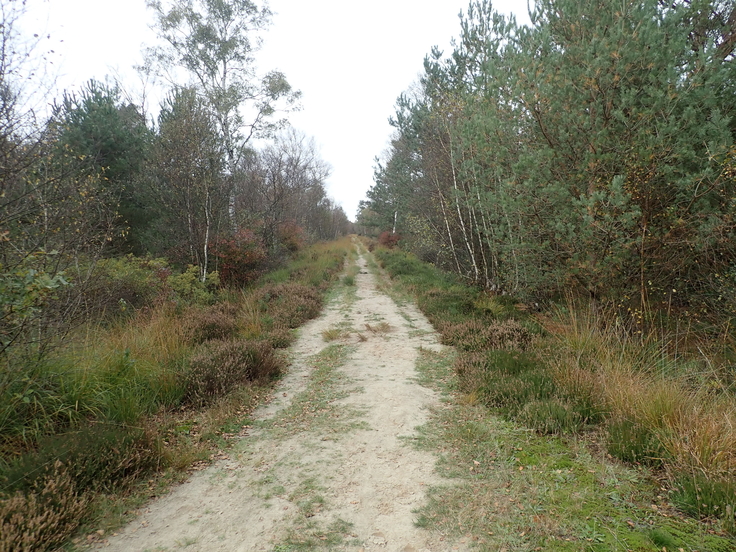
{"points": [[291, 236], [388, 239], [240, 258]]}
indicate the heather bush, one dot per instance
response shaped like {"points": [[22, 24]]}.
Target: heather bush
{"points": [[280, 338], [218, 321], [220, 366], [241, 259], [290, 304], [502, 378], [97, 457], [65, 422], [477, 335], [44, 516]]}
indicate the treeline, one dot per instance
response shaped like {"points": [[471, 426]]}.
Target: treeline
{"points": [[99, 178], [590, 151]]}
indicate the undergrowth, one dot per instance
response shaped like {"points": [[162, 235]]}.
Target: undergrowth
{"points": [[645, 400], [513, 488], [155, 391]]}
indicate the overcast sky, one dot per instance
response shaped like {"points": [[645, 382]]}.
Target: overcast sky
{"points": [[351, 59]]}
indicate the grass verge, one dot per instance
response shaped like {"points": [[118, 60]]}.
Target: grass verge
{"points": [[513, 488], [574, 389]]}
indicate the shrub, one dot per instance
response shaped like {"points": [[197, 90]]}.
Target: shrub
{"points": [[241, 259], [291, 236], [216, 322], [189, 287], [280, 338], [43, 517], [218, 367], [99, 457], [475, 335], [290, 304], [444, 310], [125, 283], [388, 239]]}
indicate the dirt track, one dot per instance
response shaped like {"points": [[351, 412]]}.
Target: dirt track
{"points": [[328, 463]]}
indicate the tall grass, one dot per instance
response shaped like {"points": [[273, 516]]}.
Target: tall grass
{"points": [[663, 405]]}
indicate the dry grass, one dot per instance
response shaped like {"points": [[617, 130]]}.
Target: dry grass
{"points": [[656, 409], [381, 327], [335, 333], [155, 336]]}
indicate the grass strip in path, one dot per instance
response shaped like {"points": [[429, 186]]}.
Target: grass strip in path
{"points": [[314, 409]]}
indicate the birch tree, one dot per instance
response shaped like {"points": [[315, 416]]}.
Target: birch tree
{"points": [[213, 42], [188, 176]]}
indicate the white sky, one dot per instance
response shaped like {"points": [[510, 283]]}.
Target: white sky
{"points": [[350, 58]]}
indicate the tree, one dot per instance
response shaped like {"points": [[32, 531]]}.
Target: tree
{"points": [[112, 140], [214, 41], [56, 217], [187, 166], [592, 150]]}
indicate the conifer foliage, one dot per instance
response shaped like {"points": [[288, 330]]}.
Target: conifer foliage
{"points": [[592, 150]]}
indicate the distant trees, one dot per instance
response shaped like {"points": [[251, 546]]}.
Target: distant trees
{"points": [[592, 150], [285, 184], [214, 42], [96, 179]]}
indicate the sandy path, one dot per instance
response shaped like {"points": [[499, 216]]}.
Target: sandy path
{"points": [[346, 481]]}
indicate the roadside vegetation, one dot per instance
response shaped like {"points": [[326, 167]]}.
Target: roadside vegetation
{"points": [[567, 432], [153, 265], [131, 402]]}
